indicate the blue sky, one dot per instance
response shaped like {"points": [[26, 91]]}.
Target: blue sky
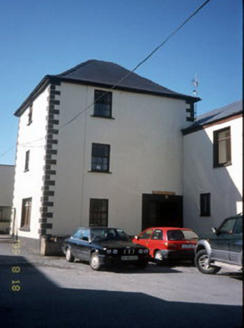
{"points": [[50, 36]]}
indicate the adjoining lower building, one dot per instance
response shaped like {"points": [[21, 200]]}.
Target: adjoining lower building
{"points": [[6, 197], [213, 168]]}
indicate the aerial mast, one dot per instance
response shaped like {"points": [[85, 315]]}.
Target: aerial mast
{"points": [[195, 83]]}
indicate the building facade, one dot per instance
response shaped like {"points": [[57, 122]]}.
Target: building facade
{"points": [[213, 168], [6, 197], [98, 145]]}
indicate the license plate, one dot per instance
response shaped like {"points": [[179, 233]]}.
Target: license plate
{"points": [[129, 258], [188, 246]]}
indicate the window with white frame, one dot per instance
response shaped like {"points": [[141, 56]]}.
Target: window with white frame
{"points": [[222, 147]]}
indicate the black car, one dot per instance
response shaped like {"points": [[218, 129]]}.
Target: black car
{"points": [[222, 247], [102, 246]]}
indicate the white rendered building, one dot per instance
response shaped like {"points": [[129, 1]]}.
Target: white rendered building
{"points": [[213, 168], [99, 146]]}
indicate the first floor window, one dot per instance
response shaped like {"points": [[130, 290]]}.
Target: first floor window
{"points": [[222, 147], [205, 204], [103, 104], [30, 114], [26, 213], [98, 212], [100, 157], [27, 160]]}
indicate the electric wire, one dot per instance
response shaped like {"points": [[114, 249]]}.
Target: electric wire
{"points": [[122, 79]]}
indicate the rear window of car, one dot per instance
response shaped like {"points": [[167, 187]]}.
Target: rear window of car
{"points": [[181, 235], [189, 234], [175, 235]]}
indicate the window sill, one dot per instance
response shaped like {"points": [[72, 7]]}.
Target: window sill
{"points": [[106, 172], [106, 117], [217, 166], [24, 229]]}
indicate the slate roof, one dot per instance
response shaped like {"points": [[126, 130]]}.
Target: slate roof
{"points": [[107, 75], [216, 115], [110, 74]]}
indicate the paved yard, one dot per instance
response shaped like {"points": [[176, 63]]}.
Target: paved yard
{"points": [[49, 292]]}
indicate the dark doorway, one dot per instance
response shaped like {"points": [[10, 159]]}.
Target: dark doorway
{"points": [[162, 211]]}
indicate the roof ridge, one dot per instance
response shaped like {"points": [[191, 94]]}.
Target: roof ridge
{"points": [[77, 67]]}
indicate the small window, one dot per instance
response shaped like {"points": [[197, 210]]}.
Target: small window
{"points": [[99, 212], [157, 234], [26, 214], [100, 157], [103, 104], [222, 147], [27, 160], [30, 114], [205, 204]]}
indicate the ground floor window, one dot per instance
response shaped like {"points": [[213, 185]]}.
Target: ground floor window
{"points": [[5, 217], [98, 212], [205, 202], [26, 214]]}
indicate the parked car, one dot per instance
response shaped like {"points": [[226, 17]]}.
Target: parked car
{"points": [[102, 246], [168, 243], [223, 246]]}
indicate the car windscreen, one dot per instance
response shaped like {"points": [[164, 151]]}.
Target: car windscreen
{"points": [[108, 234]]}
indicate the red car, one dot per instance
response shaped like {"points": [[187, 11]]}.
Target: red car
{"points": [[168, 243]]}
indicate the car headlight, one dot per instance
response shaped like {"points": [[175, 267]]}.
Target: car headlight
{"points": [[145, 251], [140, 251], [115, 251], [108, 251]]}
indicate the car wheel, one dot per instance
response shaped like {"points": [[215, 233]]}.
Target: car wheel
{"points": [[69, 256], [95, 262], [158, 257], [201, 262]]}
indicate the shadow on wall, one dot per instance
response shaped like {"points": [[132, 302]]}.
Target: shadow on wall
{"points": [[200, 176], [42, 304]]}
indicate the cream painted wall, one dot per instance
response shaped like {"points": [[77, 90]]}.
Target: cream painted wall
{"points": [[28, 184], [224, 184], [146, 155]]}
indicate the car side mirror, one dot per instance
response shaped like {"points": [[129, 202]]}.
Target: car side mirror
{"points": [[85, 239], [215, 231]]}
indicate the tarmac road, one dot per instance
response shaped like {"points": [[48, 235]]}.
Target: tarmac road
{"points": [[37, 291]]}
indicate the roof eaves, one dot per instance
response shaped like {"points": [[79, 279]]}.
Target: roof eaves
{"points": [[130, 89], [35, 93], [199, 127], [51, 78]]}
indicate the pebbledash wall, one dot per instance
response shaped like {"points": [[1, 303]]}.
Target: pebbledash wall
{"points": [[146, 154], [224, 184]]}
